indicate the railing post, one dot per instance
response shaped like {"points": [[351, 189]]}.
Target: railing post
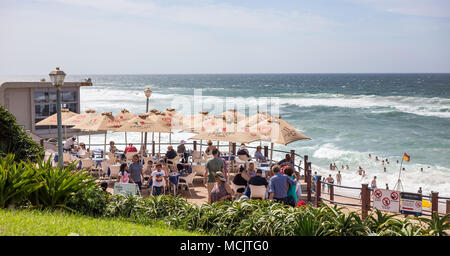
{"points": [[365, 201], [41, 141], [293, 155], [447, 211], [233, 148], [308, 184], [434, 203], [318, 186], [331, 193], [305, 159], [195, 145], [153, 148], [266, 152]]}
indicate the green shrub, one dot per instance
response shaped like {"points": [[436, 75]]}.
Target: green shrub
{"points": [[59, 184], [90, 201], [15, 140], [17, 181]]}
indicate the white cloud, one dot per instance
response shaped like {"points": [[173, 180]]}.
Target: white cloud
{"points": [[426, 8], [211, 15]]}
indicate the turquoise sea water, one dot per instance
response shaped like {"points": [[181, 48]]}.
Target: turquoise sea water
{"points": [[347, 116]]}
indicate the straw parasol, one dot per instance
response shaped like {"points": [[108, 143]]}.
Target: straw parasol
{"points": [[174, 119], [79, 118], [146, 123], [277, 130], [100, 122], [123, 116], [53, 119]]}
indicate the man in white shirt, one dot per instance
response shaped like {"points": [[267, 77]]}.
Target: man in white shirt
{"points": [[68, 145]]}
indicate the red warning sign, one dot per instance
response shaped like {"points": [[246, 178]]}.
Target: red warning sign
{"points": [[386, 201], [378, 193], [394, 195]]}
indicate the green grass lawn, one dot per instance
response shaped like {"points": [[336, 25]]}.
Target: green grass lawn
{"points": [[46, 223]]}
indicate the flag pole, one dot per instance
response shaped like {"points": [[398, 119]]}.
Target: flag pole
{"points": [[399, 182]]}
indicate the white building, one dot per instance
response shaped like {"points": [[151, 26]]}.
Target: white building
{"points": [[31, 102]]}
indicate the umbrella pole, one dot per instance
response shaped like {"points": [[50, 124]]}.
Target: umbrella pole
{"points": [[229, 161], [200, 147], [159, 145], [104, 147], [271, 152], [153, 142], [142, 138], [89, 141], [170, 138], [126, 143]]}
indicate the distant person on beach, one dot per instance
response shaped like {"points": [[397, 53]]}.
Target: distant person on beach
{"points": [[346, 166], [387, 186], [374, 182], [382, 162], [343, 167], [329, 179], [363, 174], [387, 161], [384, 169], [359, 171], [370, 156], [420, 190], [403, 168], [334, 166], [397, 161], [331, 166], [323, 184], [339, 178], [421, 169], [376, 158]]}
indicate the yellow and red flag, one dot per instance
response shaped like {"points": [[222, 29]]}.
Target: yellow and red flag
{"points": [[406, 157]]}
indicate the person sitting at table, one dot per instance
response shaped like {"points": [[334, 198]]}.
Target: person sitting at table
{"points": [[221, 191], [210, 148], [258, 155], [130, 148], [251, 169], [113, 148], [286, 161], [81, 150], [181, 149], [170, 154], [243, 151], [257, 180], [241, 179], [69, 144]]}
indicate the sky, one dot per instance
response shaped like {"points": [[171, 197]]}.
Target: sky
{"points": [[208, 36]]}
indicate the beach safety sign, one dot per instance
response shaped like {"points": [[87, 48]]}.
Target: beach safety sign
{"points": [[411, 203], [126, 188], [386, 200]]}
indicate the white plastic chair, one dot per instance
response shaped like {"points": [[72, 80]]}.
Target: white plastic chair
{"points": [[196, 157], [199, 169], [114, 171], [235, 188], [67, 158], [185, 181], [257, 191], [87, 164], [105, 165], [129, 155]]}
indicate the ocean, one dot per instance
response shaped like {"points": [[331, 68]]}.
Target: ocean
{"points": [[347, 116]]}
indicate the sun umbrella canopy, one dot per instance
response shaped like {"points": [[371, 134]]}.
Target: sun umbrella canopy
{"points": [[197, 123], [124, 115], [144, 123], [276, 130], [232, 116], [99, 122], [242, 137], [53, 119], [79, 118], [254, 119], [173, 118]]}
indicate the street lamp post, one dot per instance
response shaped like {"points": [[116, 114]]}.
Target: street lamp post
{"points": [[148, 93], [57, 77]]}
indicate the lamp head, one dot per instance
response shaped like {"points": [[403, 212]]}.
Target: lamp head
{"points": [[57, 77], [148, 92]]}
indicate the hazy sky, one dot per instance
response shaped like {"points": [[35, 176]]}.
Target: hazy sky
{"points": [[207, 36]]}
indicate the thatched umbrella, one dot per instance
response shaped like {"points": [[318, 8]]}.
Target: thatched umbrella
{"points": [[124, 116], [277, 130], [79, 118], [52, 120]]}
